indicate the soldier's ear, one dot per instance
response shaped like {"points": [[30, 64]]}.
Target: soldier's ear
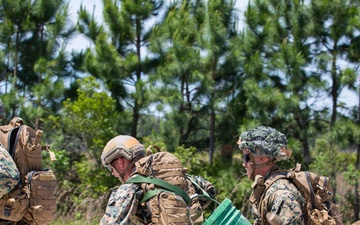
{"points": [[264, 159]]}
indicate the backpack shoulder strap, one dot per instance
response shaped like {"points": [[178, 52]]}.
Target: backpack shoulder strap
{"points": [[292, 176], [282, 174], [165, 186], [277, 175]]}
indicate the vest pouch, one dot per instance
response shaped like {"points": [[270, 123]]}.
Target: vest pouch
{"points": [[168, 208], [320, 217], [42, 185], [13, 205]]}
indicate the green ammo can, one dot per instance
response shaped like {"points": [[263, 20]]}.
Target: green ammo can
{"points": [[226, 214]]}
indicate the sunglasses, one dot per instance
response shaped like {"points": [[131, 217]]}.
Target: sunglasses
{"points": [[246, 158], [109, 166]]}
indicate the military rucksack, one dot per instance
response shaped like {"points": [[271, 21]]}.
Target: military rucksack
{"points": [[33, 200], [316, 191], [167, 191]]}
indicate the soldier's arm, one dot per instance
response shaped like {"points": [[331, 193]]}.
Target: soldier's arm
{"points": [[204, 184], [285, 201], [9, 175], [122, 206]]}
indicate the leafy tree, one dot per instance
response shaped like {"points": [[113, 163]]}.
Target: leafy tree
{"points": [[334, 31], [192, 43], [218, 30], [118, 57], [287, 47], [85, 125], [275, 66], [178, 80], [34, 62]]}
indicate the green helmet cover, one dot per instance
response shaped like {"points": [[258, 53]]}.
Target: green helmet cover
{"points": [[265, 141]]}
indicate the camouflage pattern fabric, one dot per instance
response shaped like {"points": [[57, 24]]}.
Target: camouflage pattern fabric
{"points": [[264, 141], [122, 205], [2, 110], [123, 208], [206, 186], [9, 175], [285, 200]]}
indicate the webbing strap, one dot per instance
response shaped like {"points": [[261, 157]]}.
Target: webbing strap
{"points": [[167, 186], [151, 193], [312, 194]]}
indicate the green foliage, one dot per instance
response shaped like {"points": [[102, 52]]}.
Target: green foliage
{"points": [[182, 77], [74, 222], [195, 162], [352, 175], [86, 125]]}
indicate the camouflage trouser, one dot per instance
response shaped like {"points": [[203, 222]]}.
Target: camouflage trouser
{"points": [[7, 222]]}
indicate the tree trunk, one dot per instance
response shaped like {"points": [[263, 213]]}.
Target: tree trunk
{"points": [[334, 90], [137, 104], [212, 136], [356, 186], [303, 136]]}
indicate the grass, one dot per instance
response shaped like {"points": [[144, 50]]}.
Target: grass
{"points": [[74, 222]]}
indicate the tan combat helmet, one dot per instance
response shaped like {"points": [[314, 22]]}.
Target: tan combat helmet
{"points": [[122, 146]]}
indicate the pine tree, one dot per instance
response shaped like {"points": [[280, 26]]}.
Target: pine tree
{"points": [[179, 77], [218, 30], [118, 57], [33, 34]]}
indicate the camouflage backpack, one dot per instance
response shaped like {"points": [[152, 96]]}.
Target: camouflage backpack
{"points": [[315, 189], [166, 191], [33, 199]]}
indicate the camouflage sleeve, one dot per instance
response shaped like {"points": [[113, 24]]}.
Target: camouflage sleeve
{"points": [[206, 186], [9, 176], [122, 205], [285, 200]]}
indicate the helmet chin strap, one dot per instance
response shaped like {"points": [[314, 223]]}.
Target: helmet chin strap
{"points": [[255, 166], [121, 175]]}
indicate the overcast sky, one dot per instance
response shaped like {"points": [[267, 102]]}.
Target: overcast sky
{"points": [[79, 42]]}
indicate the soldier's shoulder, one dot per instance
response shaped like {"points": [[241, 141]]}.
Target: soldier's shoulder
{"points": [[6, 160], [125, 190], [283, 184]]}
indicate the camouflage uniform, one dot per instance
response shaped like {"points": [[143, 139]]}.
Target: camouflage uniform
{"points": [[282, 197], [123, 205], [9, 176]]}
